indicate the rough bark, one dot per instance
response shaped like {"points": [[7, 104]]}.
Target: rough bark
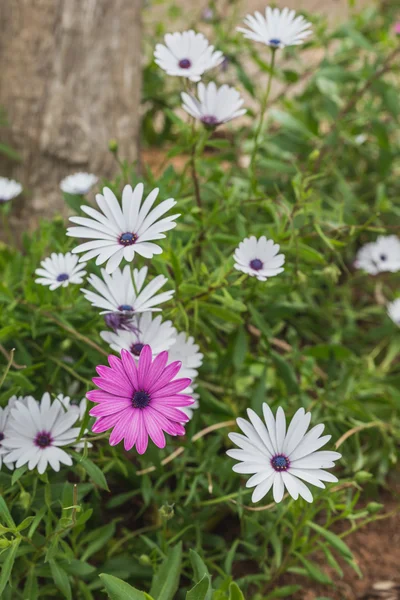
{"points": [[69, 82]]}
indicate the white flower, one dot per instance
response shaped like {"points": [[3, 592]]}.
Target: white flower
{"points": [[9, 189], [215, 105], [78, 184], [4, 417], [259, 258], [280, 458], [393, 311], [60, 270], [36, 431], [157, 334], [187, 54], [187, 351], [122, 293], [381, 255], [188, 410], [119, 233], [277, 29]]}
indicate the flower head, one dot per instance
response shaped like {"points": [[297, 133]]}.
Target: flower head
{"points": [[36, 430], [214, 105], [393, 311], [187, 54], [78, 184], [155, 333], [259, 258], [381, 255], [9, 189], [277, 29], [186, 350], [141, 401], [4, 417], [397, 28], [119, 233], [60, 270], [122, 294], [281, 458]]}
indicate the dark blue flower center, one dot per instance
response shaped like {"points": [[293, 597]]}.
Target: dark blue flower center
{"points": [[383, 257], [43, 439], [1, 436], [209, 120], [140, 399], [137, 348], [274, 42], [185, 63], [126, 307], [256, 264], [62, 277], [280, 463], [127, 239]]}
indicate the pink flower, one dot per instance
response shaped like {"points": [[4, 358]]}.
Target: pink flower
{"points": [[397, 28], [139, 401]]}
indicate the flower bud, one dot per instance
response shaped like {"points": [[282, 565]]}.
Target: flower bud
{"points": [[145, 560], [113, 146], [374, 507], [363, 476], [166, 511]]}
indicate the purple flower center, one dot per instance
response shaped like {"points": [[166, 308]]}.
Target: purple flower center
{"points": [[126, 307], [137, 348], [256, 264], [209, 120], [140, 399], [185, 63], [1, 437], [62, 277], [274, 42], [383, 257], [280, 463], [43, 439], [127, 239]]}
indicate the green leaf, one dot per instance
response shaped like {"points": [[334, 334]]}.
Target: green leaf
{"points": [[200, 590], [5, 514], [240, 348], [314, 572], [120, 590], [8, 563], [235, 593], [95, 474], [222, 313], [333, 539], [284, 592], [98, 538], [166, 580], [285, 372], [61, 579], [200, 570]]}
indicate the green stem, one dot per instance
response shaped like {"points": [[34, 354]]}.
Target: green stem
{"points": [[264, 101], [10, 361]]}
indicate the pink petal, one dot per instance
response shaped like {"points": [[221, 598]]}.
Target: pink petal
{"points": [[142, 438], [158, 366], [154, 431], [132, 430], [130, 368], [168, 426], [104, 423], [100, 396], [110, 408], [169, 373], [119, 431], [144, 367], [175, 400], [113, 386], [172, 413], [171, 388]]}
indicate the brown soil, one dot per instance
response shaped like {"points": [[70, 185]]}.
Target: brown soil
{"points": [[376, 549]]}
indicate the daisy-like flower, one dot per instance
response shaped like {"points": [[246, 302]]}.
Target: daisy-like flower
{"points": [[187, 351], [214, 106], [155, 333], [36, 431], [140, 401], [60, 270], [123, 294], [119, 233], [282, 459], [277, 29], [9, 189], [381, 255], [393, 311], [187, 54], [78, 184], [188, 410], [4, 416], [259, 258]]}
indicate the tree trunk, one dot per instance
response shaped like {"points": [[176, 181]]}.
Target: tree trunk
{"points": [[69, 83]]}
